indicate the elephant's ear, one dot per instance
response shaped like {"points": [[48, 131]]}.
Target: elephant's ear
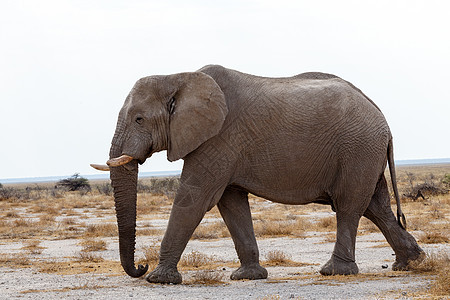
{"points": [[197, 112]]}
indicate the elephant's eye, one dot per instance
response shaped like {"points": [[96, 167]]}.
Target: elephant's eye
{"points": [[139, 120]]}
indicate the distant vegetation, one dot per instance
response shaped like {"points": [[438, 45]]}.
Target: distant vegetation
{"points": [[74, 183]]}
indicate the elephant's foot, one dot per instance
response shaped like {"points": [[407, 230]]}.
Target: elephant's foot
{"points": [[164, 275], [252, 272], [336, 266], [402, 263]]}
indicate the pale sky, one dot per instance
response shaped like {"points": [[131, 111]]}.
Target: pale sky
{"points": [[67, 66]]}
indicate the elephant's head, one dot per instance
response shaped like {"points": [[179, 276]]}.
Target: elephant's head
{"points": [[176, 113]]}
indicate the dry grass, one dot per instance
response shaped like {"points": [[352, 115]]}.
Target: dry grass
{"points": [[211, 231], [12, 214], [295, 228], [431, 263], [151, 256], [367, 226], [441, 286], [91, 245], [280, 258], [206, 277], [277, 257], [433, 237], [33, 247], [195, 259], [89, 257], [326, 224], [20, 260], [104, 229], [79, 266], [437, 264]]}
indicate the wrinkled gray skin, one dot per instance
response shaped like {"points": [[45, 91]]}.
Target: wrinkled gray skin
{"points": [[309, 138]]}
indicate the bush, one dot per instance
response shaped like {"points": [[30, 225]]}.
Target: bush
{"points": [[424, 190], [105, 189], [166, 186], [446, 180], [75, 183], [7, 193]]}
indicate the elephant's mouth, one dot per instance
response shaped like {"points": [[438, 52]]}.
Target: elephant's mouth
{"points": [[120, 161], [113, 162]]}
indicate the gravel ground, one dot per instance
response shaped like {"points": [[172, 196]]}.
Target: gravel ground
{"points": [[25, 284], [373, 282]]}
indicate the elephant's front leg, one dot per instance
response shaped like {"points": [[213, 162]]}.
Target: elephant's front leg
{"points": [[187, 212], [235, 211]]}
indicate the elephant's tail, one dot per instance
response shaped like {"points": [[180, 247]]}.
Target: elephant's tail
{"points": [[400, 216]]}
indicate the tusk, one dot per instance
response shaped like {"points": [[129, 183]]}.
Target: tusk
{"points": [[100, 167], [119, 161]]}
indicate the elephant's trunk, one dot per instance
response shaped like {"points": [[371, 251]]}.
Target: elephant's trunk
{"points": [[124, 182]]}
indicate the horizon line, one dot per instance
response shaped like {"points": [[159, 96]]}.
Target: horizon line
{"points": [[54, 178]]}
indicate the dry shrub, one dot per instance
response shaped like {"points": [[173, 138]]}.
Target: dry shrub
{"points": [[46, 219], [436, 211], [151, 255], [329, 238], [22, 222], [22, 228], [209, 277], [418, 223], [89, 257], [14, 260], [66, 232], [211, 231], [368, 226], [148, 231], [437, 264], [90, 245], [107, 229], [69, 221], [280, 258], [71, 212], [12, 214], [441, 286], [431, 263], [33, 246], [195, 259], [147, 206], [283, 228], [277, 258], [326, 224], [433, 237], [49, 266]]}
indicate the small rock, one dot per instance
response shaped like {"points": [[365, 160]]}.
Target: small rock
{"points": [[385, 266]]}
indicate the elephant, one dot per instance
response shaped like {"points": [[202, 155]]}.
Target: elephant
{"points": [[310, 138]]}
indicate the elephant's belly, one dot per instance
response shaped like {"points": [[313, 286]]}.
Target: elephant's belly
{"points": [[288, 183], [293, 196]]}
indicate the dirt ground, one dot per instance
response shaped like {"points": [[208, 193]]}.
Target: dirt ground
{"points": [[65, 246]]}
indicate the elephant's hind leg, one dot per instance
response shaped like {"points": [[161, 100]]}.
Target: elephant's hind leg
{"points": [[342, 261], [235, 211], [380, 213]]}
